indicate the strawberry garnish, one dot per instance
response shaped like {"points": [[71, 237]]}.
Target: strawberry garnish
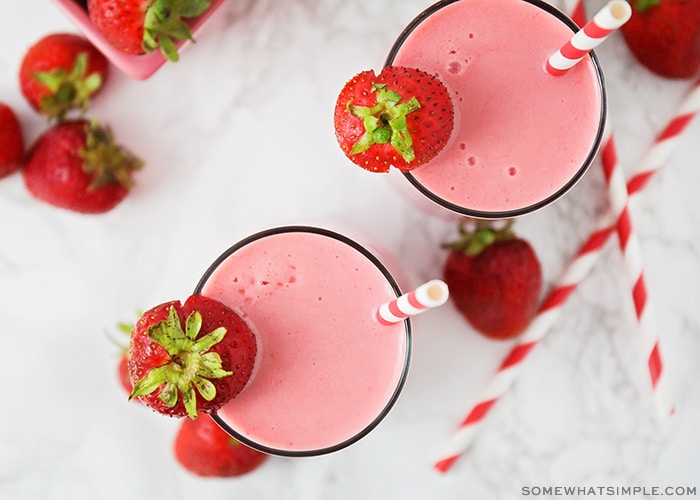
{"points": [[191, 358], [76, 165], [204, 449], [403, 117], [495, 279], [141, 26], [11, 141], [61, 72]]}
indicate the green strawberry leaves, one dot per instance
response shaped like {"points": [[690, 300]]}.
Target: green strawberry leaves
{"points": [[69, 89], [191, 362], [104, 160], [385, 122], [165, 23], [642, 5], [473, 242]]}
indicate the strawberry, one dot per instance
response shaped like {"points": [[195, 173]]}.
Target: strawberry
{"points": [[77, 166], [11, 141], [495, 280], [403, 117], [203, 448], [664, 35], [123, 373], [61, 72], [122, 366], [185, 359], [141, 26]]}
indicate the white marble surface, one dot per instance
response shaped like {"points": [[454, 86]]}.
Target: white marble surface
{"points": [[237, 137]]}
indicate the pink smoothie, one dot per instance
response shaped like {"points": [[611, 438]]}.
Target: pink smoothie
{"points": [[522, 137], [327, 371]]}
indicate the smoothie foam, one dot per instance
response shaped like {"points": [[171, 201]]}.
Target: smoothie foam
{"points": [[327, 370], [521, 135]]}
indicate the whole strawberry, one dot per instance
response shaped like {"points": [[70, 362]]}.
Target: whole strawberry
{"points": [[141, 26], [123, 373], [77, 166], [62, 72], [11, 141], [403, 117], [190, 358], [203, 448], [495, 280], [123, 366], [664, 35]]}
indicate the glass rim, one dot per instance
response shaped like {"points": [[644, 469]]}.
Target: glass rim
{"points": [[593, 152], [407, 332]]}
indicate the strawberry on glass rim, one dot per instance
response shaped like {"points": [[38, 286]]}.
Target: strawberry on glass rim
{"points": [[402, 117], [190, 358]]}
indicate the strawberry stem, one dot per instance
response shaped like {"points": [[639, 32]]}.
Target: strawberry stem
{"points": [[385, 122], [643, 5], [106, 161], [164, 23], [69, 89], [191, 362], [473, 242]]}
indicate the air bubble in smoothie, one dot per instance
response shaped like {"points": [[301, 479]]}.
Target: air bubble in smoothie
{"points": [[454, 67]]}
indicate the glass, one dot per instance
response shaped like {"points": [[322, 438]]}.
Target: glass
{"points": [[327, 371], [465, 68]]}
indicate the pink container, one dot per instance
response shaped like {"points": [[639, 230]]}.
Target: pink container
{"points": [[138, 67]]}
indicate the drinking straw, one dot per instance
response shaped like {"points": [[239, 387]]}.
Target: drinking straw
{"points": [[577, 269], [605, 22], [631, 249], [632, 255], [432, 294]]}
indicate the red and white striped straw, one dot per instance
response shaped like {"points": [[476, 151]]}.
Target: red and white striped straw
{"points": [[511, 366], [604, 23], [632, 254], [666, 141], [432, 294], [579, 267]]}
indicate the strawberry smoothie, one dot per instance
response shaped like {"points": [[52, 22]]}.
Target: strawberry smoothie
{"points": [[522, 137], [327, 371]]}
